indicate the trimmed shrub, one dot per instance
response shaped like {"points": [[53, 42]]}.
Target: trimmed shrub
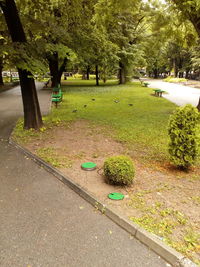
{"points": [[183, 133], [119, 170]]}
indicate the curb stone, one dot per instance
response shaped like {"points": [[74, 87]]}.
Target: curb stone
{"points": [[169, 254]]}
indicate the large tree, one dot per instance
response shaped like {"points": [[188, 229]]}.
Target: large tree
{"points": [[191, 10], [32, 114], [122, 22]]}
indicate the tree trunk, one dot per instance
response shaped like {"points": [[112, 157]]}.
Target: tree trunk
{"points": [[32, 118], [187, 74], [175, 68], [180, 74], [88, 73], [97, 75], [1, 70], [155, 73], [198, 106], [122, 77], [32, 114], [62, 69], [53, 67]]}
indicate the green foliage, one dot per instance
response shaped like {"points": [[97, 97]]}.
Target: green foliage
{"points": [[119, 170], [184, 140], [141, 128], [174, 80]]}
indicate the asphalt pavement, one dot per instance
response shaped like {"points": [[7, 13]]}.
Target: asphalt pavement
{"points": [[43, 222], [177, 93]]}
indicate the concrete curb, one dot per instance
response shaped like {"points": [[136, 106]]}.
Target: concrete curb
{"points": [[152, 241]]}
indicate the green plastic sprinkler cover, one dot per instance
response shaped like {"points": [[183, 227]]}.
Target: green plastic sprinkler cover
{"points": [[116, 196], [88, 166]]}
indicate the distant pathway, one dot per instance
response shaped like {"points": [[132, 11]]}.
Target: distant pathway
{"points": [[45, 224], [178, 94]]}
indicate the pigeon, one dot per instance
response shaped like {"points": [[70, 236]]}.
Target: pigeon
{"points": [[93, 99], [130, 105], [85, 106], [116, 101], [75, 110]]}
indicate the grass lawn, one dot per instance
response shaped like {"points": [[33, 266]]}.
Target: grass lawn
{"points": [[93, 123], [138, 119]]}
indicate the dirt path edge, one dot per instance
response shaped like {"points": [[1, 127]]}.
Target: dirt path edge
{"points": [[169, 254]]}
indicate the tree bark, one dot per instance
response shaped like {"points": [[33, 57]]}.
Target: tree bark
{"points": [[53, 67], [198, 106], [32, 118], [175, 68], [97, 75], [1, 70], [155, 73], [32, 114], [88, 73], [55, 71], [122, 77], [187, 74], [62, 69]]}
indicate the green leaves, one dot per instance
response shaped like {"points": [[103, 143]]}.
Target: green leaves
{"points": [[119, 170], [184, 143]]}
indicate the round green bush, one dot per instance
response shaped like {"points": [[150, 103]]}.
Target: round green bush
{"points": [[183, 133], [119, 170]]}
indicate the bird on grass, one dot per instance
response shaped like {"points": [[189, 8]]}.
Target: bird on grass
{"points": [[85, 106], [116, 101], [130, 105], [93, 99], [74, 111]]}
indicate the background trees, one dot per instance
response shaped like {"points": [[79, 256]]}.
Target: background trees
{"points": [[32, 115], [105, 37]]}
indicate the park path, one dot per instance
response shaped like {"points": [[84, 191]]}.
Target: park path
{"points": [[43, 222], [177, 93]]}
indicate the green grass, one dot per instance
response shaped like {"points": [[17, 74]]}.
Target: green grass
{"points": [[142, 126], [174, 80], [55, 159], [166, 223]]}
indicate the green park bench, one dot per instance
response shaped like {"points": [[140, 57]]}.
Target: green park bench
{"points": [[57, 95], [145, 84], [158, 92]]}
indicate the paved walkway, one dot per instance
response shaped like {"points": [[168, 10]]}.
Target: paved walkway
{"points": [[44, 223], [178, 94]]}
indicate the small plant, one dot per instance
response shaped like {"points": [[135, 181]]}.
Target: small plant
{"points": [[184, 141], [119, 170]]}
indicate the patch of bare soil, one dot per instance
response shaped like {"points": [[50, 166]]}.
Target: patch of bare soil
{"points": [[161, 193]]}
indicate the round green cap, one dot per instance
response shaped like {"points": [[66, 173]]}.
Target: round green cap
{"points": [[88, 166], [116, 196]]}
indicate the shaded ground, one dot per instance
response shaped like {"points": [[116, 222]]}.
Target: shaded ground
{"points": [[7, 86], [163, 200]]}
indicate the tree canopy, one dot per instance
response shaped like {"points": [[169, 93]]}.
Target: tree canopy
{"points": [[109, 37]]}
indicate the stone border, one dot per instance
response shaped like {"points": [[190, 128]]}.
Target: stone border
{"points": [[152, 241]]}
